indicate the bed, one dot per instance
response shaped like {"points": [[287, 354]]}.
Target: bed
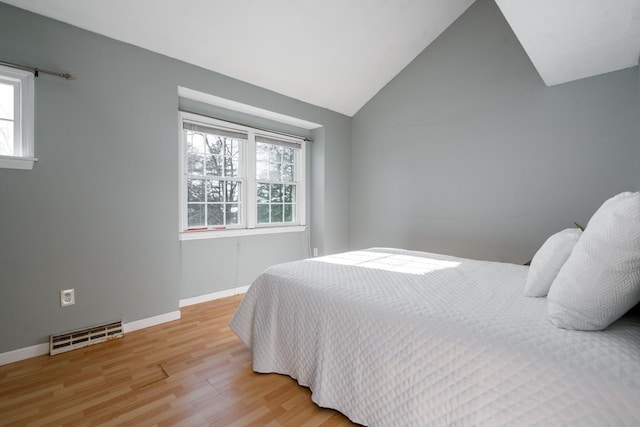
{"points": [[397, 337]]}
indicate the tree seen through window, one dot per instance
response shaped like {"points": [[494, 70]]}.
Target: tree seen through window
{"points": [[213, 195]]}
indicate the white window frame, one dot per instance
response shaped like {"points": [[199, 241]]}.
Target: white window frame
{"points": [[24, 89], [249, 224]]}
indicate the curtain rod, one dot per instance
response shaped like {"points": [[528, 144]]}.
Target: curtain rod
{"points": [[36, 71], [304, 138]]}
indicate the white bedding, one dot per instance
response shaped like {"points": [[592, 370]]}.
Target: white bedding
{"points": [[393, 337]]}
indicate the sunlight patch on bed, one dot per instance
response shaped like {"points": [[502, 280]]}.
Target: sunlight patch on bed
{"points": [[390, 262]]}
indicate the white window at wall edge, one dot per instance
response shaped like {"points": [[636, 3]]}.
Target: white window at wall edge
{"points": [[16, 118], [237, 180]]}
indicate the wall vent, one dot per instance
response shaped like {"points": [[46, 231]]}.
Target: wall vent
{"points": [[79, 338]]}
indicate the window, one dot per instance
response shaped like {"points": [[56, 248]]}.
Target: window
{"points": [[275, 181], [213, 176], [16, 118], [238, 178]]}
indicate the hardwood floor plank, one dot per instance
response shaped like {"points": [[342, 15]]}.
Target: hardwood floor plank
{"points": [[189, 372]]}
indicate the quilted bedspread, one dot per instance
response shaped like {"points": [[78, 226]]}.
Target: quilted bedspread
{"points": [[392, 337]]}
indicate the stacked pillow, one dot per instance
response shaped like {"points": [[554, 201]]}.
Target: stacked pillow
{"points": [[600, 279], [548, 261]]}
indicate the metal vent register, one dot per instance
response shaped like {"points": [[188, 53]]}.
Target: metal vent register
{"points": [[79, 338]]}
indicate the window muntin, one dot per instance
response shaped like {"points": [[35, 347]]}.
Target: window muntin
{"points": [[235, 177]]}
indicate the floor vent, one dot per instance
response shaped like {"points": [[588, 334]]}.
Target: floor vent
{"points": [[79, 338]]}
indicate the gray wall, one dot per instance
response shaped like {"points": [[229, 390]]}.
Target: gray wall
{"points": [[99, 211], [467, 152]]}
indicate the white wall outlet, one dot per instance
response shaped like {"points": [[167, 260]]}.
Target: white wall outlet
{"points": [[315, 251], [67, 297]]}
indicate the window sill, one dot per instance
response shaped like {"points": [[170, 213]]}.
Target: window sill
{"points": [[12, 162], [216, 234]]}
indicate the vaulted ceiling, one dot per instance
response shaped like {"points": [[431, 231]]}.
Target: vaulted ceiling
{"points": [[338, 54]]}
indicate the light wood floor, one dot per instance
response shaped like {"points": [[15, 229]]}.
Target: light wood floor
{"points": [[190, 372]]}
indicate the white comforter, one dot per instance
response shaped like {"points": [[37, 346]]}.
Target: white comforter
{"points": [[394, 337]]}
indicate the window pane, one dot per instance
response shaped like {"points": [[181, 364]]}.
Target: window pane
{"points": [[213, 153], [214, 145], [6, 101], [288, 155], [262, 152], [195, 153], [287, 172], [233, 213], [232, 148], [215, 214], [6, 138], [274, 172], [276, 213], [263, 214], [290, 193], [262, 192], [262, 170], [195, 190], [215, 191], [215, 166], [276, 153], [230, 166], [233, 191], [289, 213], [276, 193], [232, 157], [196, 215], [222, 155]]}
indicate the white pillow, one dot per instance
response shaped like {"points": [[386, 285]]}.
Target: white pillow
{"points": [[546, 263], [601, 279]]}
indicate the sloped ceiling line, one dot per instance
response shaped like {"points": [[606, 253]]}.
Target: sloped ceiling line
{"points": [[354, 47]]}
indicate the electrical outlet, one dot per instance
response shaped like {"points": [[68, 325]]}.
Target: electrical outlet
{"points": [[67, 297], [315, 251]]}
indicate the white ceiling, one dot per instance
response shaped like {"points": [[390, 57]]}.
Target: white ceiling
{"points": [[571, 39], [338, 54]]}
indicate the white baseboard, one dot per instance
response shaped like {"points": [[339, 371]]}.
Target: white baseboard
{"points": [[40, 349], [24, 353], [151, 321], [215, 295]]}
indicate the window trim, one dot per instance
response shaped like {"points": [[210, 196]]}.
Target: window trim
{"points": [[238, 232], [248, 162], [23, 82]]}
